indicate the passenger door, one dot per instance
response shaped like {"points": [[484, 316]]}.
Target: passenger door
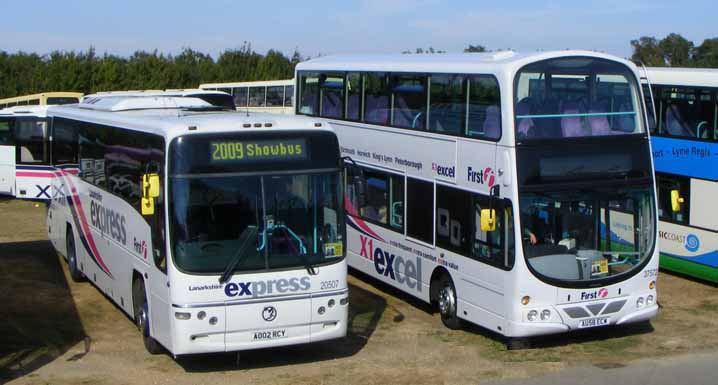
{"points": [[159, 282]]}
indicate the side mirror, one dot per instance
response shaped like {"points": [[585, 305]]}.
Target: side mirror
{"points": [[676, 200], [151, 185], [488, 220], [150, 191], [360, 190]]}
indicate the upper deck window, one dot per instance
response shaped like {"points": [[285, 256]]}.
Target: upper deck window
{"points": [[576, 97]]}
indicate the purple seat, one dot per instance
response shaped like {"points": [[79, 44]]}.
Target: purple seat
{"points": [[599, 124], [571, 125], [331, 105], [492, 123], [377, 109], [526, 125]]}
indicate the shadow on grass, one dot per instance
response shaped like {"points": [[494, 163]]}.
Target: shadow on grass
{"points": [[365, 311], [39, 320], [574, 337]]}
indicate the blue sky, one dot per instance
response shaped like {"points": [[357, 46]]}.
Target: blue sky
{"points": [[343, 26]]}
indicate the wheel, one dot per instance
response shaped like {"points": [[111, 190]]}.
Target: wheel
{"points": [[142, 317], [446, 299], [75, 273]]}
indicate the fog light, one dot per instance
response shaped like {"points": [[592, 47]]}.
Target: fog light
{"points": [[344, 301], [321, 310], [201, 315], [533, 314], [182, 316], [213, 321], [525, 300], [639, 302], [331, 303], [652, 285], [649, 300], [545, 315]]}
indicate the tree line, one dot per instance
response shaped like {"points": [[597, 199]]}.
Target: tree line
{"points": [[24, 73], [675, 51]]}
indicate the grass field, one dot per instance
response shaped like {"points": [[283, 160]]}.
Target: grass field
{"points": [[53, 331]]}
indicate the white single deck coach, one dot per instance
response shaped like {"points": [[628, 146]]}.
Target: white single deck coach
{"points": [[515, 191], [25, 168], [215, 231]]}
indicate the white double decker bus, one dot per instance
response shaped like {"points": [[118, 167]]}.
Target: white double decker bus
{"points": [[214, 231], [514, 191]]}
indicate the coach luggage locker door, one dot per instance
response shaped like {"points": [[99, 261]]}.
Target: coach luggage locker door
{"points": [[271, 310], [7, 168]]}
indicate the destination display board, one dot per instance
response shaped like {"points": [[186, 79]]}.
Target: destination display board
{"points": [[253, 151]]}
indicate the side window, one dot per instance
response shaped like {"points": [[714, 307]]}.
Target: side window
{"points": [[308, 93], [354, 91], [275, 96], [420, 215], [649, 106], [240, 96], [666, 184], [484, 120], [331, 88], [377, 97], [257, 96], [409, 98], [6, 132], [454, 219], [64, 142], [688, 112], [87, 152], [488, 246], [447, 112], [288, 96], [383, 202], [126, 162], [30, 141]]}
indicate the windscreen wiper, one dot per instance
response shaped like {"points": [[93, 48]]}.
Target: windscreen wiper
{"points": [[245, 239]]}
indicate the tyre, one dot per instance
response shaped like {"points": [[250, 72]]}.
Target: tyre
{"points": [[75, 273], [446, 298], [142, 316]]}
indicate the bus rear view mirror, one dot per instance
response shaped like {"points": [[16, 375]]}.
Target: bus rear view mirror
{"points": [[150, 185], [676, 201], [150, 191], [488, 220], [360, 190]]}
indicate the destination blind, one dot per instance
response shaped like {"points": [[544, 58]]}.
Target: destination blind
{"points": [[255, 151]]}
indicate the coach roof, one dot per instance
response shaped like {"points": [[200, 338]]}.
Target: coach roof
{"points": [[171, 122], [491, 62]]}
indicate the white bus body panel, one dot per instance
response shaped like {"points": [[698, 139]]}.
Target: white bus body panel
{"points": [[33, 182], [239, 307], [7, 170]]}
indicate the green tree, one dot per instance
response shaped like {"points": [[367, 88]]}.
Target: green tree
{"points": [[706, 54], [676, 50], [475, 48], [647, 50]]}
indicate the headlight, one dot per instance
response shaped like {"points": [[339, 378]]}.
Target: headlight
{"points": [[649, 300], [639, 302], [545, 315], [533, 314]]}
